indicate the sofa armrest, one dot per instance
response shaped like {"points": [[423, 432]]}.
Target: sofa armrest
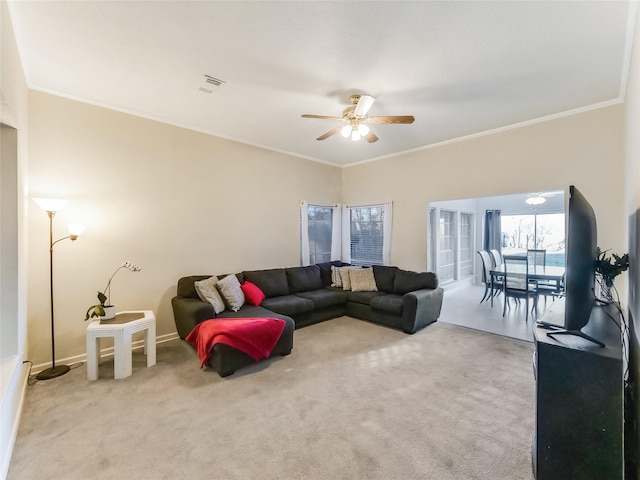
{"points": [[188, 312], [420, 308]]}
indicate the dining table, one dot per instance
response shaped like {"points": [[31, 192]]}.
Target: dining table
{"points": [[549, 273]]}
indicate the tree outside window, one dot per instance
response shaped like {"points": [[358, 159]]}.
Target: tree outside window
{"points": [[537, 231]]}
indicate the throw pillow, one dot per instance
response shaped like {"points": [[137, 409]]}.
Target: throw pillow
{"points": [[362, 280], [230, 290], [208, 292], [336, 278], [252, 294], [346, 279]]}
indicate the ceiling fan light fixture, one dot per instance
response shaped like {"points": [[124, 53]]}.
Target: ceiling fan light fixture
{"points": [[535, 200], [346, 131], [363, 130], [355, 135]]}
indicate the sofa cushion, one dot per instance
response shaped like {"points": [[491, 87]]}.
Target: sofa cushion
{"points": [[325, 271], [303, 279], [323, 297], [406, 282], [230, 290], [288, 304], [364, 297], [362, 280], [252, 293], [208, 292], [272, 282], [385, 277], [390, 303]]}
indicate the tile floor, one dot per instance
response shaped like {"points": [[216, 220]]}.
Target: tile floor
{"points": [[462, 307]]}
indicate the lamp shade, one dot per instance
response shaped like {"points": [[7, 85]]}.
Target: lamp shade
{"points": [[75, 230], [51, 204], [346, 131]]}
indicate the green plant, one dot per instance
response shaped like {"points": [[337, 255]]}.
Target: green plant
{"points": [[610, 267], [95, 311]]}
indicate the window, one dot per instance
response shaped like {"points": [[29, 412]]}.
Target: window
{"points": [[541, 231], [446, 250], [320, 222], [466, 244], [451, 244], [367, 235]]}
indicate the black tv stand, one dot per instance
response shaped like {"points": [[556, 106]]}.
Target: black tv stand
{"points": [[576, 333], [579, 398]]}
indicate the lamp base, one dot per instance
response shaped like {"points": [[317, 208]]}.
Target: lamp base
{"points": [[54, 372]]}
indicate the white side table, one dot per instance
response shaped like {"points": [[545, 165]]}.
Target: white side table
{"points": [[121, 328]]}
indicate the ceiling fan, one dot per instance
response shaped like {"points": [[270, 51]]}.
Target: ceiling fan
{"points": [[356, 120], [539, 198]]}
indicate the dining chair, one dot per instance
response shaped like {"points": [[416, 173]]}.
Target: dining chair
{"points": [[538, 257], [486, 275], [517, 286], [497, 257]]}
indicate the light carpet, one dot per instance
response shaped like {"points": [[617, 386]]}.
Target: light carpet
{"points": [[353, 401]]}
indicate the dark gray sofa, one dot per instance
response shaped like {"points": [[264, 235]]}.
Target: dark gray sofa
{"points": [[405, 300]]}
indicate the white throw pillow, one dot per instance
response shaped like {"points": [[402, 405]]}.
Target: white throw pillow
{"points": [[346, 279], [230, 290], [208, 292], [362, 280], [336, 276]]}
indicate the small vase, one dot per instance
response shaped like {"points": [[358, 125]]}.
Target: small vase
{"points": [[109, 313]]}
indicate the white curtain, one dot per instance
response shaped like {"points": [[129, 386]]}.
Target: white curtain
{"points": [[304, 233], [346, 234], [386, 232], [336, 233]]}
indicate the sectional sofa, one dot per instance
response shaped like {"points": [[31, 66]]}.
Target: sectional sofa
{"points": [[301, 296]]}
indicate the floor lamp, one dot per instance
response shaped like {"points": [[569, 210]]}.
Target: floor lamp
{"points": [[51, 206]]}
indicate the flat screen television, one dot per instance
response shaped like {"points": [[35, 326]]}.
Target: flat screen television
{"points": [[581, 248]]}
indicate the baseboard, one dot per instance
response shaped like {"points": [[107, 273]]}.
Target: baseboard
{"points": [[104, 352], [21, 391]]}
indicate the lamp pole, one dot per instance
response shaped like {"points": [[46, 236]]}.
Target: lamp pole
{"points": [[51, 206], [54, 371]]}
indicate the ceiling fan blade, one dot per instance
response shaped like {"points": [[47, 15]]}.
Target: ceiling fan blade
{"points": [[363, 106], [321, 117], [392, 119], [371, 137], [329, 133]]}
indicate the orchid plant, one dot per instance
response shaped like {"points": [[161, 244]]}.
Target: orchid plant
{"points": [[96, 311]]}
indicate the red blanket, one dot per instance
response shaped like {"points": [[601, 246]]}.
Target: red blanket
{"points": [[254, 336]]}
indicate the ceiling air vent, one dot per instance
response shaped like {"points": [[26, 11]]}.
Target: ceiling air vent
{"points": [[210, 84]]}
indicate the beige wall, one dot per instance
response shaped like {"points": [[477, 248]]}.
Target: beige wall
{"points": [[585, 150], [179, 202], [173, 201]]}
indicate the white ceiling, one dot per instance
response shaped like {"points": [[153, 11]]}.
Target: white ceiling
{"points": [[461, 68]]}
